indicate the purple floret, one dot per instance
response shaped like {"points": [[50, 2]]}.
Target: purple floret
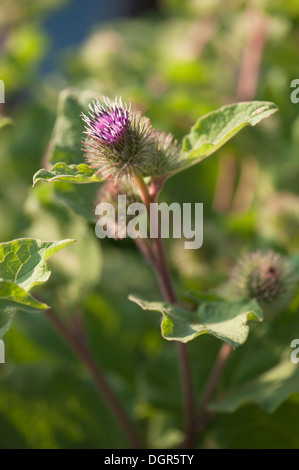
{"points": [[109, 124]]}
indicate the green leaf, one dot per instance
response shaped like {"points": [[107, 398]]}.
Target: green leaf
{"points": [[65, 152], [81, 173], [24, 261], [214, 129], [269, 390], [13, 296], [80, 199], [224, 320], [66, 141], [6, 316], [23, 265]]}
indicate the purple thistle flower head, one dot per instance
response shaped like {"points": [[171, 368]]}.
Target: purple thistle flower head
{"points": [[107, 124], [120, 143]]}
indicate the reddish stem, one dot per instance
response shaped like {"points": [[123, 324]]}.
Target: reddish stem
{"points": [[161, 268]]}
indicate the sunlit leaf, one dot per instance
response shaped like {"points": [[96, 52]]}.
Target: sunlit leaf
{"points": [[224, 320], [80, 174], [13, 296], [23, 265], [213, 130]]}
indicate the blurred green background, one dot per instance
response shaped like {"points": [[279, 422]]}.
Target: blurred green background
{"points": [[175, 62]]}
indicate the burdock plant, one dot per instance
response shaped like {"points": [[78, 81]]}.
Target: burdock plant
{"points": [[124, 153]]}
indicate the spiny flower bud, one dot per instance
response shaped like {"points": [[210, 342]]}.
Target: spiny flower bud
{"points": [[267, 277], [120, 143], [167, 157]]}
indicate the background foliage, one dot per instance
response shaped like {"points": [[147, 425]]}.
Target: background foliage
{"points": [[176, 64]]}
